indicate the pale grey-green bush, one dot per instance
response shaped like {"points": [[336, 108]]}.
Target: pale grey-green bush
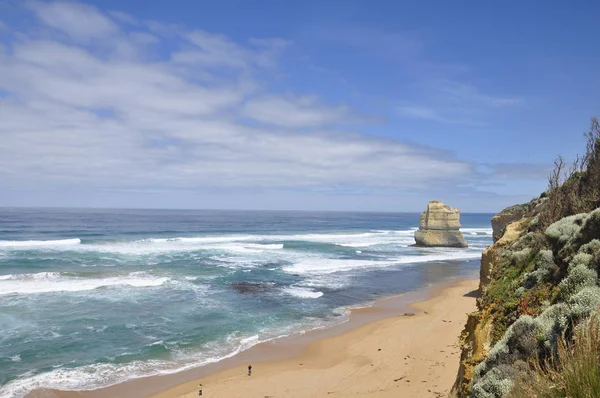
{"points": [[526, 241], [522, 339], [580, 259], [497, 383], [530, 279], [535, 221], [579, 276], [546, 258], [520, 256], [592, 247], [552, 322], [591, 227], [519, 342], [584, 302], [566, 229]]}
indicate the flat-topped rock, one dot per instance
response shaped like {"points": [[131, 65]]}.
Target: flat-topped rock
{"points": [[440, 226]]}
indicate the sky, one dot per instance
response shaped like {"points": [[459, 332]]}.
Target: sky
{"points": [[292, 105]]}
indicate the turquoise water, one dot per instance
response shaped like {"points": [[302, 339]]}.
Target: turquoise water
{"points": [[90, 298]]}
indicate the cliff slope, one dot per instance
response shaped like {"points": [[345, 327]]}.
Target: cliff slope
{"points": [[538, 284]]}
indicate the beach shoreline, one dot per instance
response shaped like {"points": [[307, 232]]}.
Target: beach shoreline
{"points": [[279, 360]]}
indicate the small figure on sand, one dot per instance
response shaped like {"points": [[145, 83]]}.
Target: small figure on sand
{"points": [[199, 389], [249, 370]]}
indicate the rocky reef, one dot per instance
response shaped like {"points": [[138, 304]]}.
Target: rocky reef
{"points": [[539, 292], [440, 226]]}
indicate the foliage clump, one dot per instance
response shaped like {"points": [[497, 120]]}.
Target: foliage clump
{"points": [[578, 278], [543, 287], [574, 371]]}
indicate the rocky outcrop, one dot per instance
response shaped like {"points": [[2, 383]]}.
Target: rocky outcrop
{"points": [[505, 217], [489, 257], [440, 226]]}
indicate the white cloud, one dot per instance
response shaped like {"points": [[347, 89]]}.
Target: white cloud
{"points": [[126, 120], [124, 17], [453, 102], [80, 21], [294, 112], [215, 50], [465, 94], [419, 112]]}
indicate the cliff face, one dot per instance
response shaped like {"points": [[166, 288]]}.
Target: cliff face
{"points": [[537, 283], [476, 338], [501, 220], [539, 287], [440, 226]]}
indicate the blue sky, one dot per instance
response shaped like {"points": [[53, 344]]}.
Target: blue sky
{"points": [[337, 105]]}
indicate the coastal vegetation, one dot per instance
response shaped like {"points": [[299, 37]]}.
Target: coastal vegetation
{"points": [[535, 333]]}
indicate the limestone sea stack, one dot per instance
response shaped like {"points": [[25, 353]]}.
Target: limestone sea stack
{"points": [[440, 226]]}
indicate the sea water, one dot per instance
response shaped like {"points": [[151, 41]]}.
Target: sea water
{"points": [[90, 298]]}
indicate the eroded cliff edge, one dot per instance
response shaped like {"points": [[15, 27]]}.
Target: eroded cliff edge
{"points": [[539, 286]]}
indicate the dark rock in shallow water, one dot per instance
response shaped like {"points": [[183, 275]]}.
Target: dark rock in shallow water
{"points": [[252, 287]]}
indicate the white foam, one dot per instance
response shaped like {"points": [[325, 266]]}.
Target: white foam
{"points": [[15, 244], [95, 376], [330, 265], [248, 341], [200, 239], [161, 246], [302, 292], [327, 266], [233, 243], [46, 282], [477, 231]]}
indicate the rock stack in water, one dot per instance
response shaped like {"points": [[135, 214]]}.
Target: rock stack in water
{"points": [[440, 226]]}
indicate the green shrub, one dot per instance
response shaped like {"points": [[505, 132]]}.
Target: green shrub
{"points": [[592, 247], [518, 343], [574, 373], [496, 384], [565, 230], [579, 276], [583, 259], [586, 301], [519, 257], [543, 265], [591, 228]]}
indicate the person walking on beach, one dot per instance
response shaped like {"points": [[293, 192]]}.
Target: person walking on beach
{"points": [[249, 370], [199, 390]]}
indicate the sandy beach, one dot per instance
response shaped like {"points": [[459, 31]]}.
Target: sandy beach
{"points": [[398, 356], [403, 356]]}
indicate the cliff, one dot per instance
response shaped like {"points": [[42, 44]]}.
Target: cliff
{"points": [[539, 288], [440, 226]]}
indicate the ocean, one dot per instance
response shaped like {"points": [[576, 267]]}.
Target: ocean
{"points": [[94, 297]]}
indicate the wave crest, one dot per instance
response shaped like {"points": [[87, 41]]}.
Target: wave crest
{"points": [[47, 282]]}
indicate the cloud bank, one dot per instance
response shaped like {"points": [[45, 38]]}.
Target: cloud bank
{"points": [[98, 99]]}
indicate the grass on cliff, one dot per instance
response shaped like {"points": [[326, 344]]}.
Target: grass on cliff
{"points": [[574, 373]]}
